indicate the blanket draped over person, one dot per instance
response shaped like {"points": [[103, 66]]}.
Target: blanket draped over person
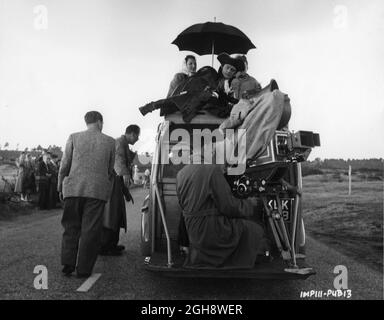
{"points": [[220, 232], [194, 95]]}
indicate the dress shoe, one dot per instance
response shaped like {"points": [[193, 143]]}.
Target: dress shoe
{"points": [[67, 270], [110, 252]]}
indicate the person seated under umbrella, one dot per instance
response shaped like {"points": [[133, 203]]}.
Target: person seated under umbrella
{"points": [[223, 92], [189, 69], [228, 68]]}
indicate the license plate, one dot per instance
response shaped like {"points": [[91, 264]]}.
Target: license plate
{"points": [[286, 206]]}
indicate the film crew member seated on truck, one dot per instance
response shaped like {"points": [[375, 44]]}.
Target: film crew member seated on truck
{"points": [[219, 226]]}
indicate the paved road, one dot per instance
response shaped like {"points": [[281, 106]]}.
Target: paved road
{"points": [[35, 240]]}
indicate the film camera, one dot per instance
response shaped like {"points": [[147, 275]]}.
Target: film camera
{"points": [[271, 172]]}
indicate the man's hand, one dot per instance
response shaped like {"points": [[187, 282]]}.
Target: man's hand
{"points": [[61, 196]]}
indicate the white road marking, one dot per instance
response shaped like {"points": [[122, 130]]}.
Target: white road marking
{"points": [[89, 282]]}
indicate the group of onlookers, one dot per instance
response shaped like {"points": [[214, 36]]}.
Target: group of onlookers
{"points": [[38, 175]]}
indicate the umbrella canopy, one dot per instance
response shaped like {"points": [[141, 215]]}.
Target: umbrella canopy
{"points": [[213, 38]]}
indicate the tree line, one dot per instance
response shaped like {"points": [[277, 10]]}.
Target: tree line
{"points": [[374, 164]]}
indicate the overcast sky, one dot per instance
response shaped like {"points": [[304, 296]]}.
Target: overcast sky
{"points": [[116, 55]]}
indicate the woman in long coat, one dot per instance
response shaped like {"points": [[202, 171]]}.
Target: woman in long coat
{"points": [[43, 177], [20, 163]]}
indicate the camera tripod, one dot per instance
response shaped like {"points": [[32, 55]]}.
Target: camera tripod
{"points": [[273, 190]]}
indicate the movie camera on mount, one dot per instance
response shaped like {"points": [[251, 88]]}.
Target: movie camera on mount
{"points": [[268, 173]]}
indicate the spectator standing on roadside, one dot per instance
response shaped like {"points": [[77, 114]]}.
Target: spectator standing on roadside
{"points": [[43, 176], [28, 186], [53, 196]]}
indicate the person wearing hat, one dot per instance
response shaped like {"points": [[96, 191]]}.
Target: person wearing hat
{"points": [[114, 217], [227, 72], [243, 83]]}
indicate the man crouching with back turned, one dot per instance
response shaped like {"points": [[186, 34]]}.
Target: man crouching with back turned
{"points": [[218, 226], [85, 181]]}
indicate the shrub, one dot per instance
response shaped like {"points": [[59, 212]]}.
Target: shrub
{"points": [[308, 171], [337, 176], [374, 178]]}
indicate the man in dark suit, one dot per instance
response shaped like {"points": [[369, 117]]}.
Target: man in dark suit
{"points": [[84, 182], [44, 174], [115, 214]]}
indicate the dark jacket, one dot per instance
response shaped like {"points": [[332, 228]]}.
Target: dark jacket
{"points": [[42, 171], [193, 95], [115, 212]]}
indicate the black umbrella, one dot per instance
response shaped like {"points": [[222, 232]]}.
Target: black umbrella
{"points": [[214, 38]]}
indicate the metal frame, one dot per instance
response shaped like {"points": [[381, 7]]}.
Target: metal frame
{"points": [[286, 246], [156, 199], [297, 205]]}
